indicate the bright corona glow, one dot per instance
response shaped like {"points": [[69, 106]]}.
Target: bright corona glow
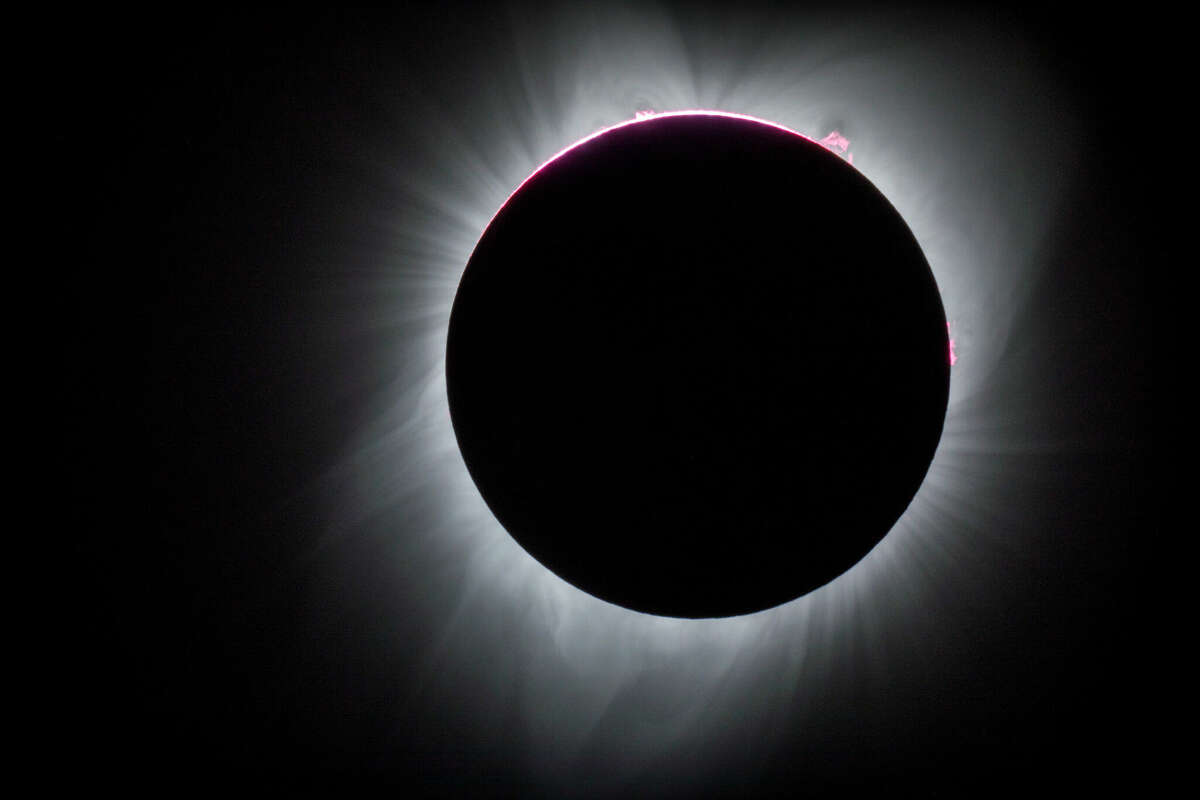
{"points": [[953, 157]]}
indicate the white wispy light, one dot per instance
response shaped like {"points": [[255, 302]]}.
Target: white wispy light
{"points": [[964, 139]]}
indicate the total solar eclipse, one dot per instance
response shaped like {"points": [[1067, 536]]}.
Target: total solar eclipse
{"points": [[697, 365]]}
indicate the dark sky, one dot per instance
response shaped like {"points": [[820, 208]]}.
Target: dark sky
{"points": [[232, 190]]}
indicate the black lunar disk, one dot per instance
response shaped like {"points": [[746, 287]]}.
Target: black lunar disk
{"points": [[697, 365]]}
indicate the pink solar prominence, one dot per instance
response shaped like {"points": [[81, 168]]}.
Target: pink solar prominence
{"points": [[838, 144]]}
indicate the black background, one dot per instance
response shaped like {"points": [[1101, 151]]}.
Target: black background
{"points": [[213, 219]]}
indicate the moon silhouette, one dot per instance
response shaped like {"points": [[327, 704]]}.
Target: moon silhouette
{"points": [[697, 365]]}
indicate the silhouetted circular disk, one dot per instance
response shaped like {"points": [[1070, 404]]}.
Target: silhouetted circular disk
{"points": [[697, 366]]}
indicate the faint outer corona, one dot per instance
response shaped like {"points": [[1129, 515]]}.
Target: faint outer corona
{"points": [[697, 365]]}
